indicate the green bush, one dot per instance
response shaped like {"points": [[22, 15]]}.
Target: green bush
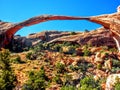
{"points": [[86, 30], [99, 66], [117, 86], [17, 60], [115, 62], [67, 79], [60, 67], [35, 55], [68, 88], [28, 55], [86, 52], [60, 47], [113, 49], [82, 66], [73, 68], [88, 83], [115, 65], [7, 77], [38, 47], [37, 81], [115, 69], [73, 33], [57, 79], [56, 47], [66, 43]]}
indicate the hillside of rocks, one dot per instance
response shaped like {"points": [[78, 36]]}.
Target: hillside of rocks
{"points": [[65, 64], [99, 37]]}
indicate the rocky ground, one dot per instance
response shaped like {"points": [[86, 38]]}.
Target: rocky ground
{"points": [[68, 62]]}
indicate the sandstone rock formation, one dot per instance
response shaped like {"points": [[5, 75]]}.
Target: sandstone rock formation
{"points": [[111, 80], [7, 30], [35, 38], [99, 37], [110, 22]]}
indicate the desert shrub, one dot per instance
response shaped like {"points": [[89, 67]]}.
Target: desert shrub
{"points": [[38, 47], [88, 83], [90, 65], [71, 49], [7, 77], [47, 46], [57, 79], [87, 30], [117, 84], [115, 62], [105, 47], [65, 47], [73, 68], [72, 33], [86, 52], [115, 69], [5, 59], [60, 67], [82, 66], [37, 81], [56, 47], [77, 67], [113, 49], [68, 49], [67, 79], [17, 60], [68, 88], [28, 55], [115, 65], [99, 66], [35, 55], [67, 43]]}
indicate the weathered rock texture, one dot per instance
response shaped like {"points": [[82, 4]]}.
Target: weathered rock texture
{"points": [[108, 21], [99, 37]]}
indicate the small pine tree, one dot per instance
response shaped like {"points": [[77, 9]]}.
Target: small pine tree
{"points": [[7, 77], [87, 30], [36, 81], [88, 83]]}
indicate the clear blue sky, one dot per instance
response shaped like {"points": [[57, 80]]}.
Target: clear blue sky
{"points": [[19, 10]]}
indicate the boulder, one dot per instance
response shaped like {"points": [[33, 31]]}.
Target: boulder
{"points": [[111, 80]]}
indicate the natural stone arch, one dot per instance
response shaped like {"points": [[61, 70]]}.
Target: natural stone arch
{"points": [[110, 22]]}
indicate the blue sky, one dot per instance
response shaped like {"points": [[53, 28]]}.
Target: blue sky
{"points": [[19, 10]]}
